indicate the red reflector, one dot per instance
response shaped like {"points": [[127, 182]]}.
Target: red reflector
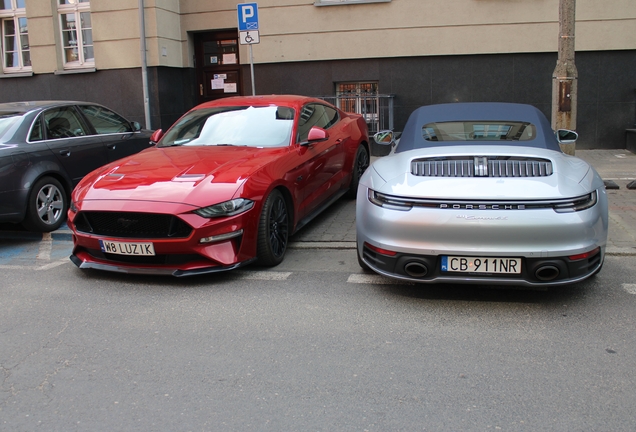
{"points": [[585, 255], [380, 250]]}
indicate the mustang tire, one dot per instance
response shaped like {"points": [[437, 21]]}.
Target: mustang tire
{"points": [[360, 165], [47, 206], [273, 230]]}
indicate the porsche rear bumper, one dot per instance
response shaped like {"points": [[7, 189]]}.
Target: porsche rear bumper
{"points": [[545, 241]]}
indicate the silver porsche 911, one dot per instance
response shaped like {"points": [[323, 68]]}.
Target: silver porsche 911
{"points": [[481, 193]]}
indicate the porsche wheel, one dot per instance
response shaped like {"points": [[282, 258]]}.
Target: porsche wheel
{"points": [[273, 230], [47, 205], [360, 165]]}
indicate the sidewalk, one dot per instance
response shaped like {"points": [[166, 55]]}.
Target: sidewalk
{"points": [[336, 227]]}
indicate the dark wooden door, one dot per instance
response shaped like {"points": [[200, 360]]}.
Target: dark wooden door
{"points": [[217, 65]]}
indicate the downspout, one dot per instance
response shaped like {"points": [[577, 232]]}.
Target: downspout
{"points": [[144, 66]]}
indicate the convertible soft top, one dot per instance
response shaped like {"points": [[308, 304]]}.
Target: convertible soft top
{"points": [[412, 137]]}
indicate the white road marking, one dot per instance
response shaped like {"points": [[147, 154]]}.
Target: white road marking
{"points": [[46, 245], [630, 288], [54, 264], [375, 279], [15, 267], [264, 275]]}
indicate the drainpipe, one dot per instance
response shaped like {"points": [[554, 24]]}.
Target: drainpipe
{"points": [[144, 66]]}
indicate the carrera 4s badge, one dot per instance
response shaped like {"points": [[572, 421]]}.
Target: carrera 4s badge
{"points": [[473, 217]]}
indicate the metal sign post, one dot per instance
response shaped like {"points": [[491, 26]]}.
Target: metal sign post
{"points": [[248, 31]]}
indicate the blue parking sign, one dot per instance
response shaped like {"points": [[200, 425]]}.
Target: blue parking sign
{"points": [[247, 16]]}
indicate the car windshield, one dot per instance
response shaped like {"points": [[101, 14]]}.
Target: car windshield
{"points": [[479, 131], [267, 126], [7, 119]]}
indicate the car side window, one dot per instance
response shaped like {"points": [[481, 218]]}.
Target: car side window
{"points": [[315, 115], [104, 120], [63, 122], [36, 131]]}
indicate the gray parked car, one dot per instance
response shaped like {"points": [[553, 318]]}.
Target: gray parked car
{"points": [[481, 193], [47, 147]]}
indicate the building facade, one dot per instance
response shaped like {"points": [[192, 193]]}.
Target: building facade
{"points": [[397, 54]]}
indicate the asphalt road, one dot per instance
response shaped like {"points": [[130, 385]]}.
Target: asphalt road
{"points": [[313, 344]]}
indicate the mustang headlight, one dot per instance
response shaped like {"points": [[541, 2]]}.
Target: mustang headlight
{"points": [[227, 208], [389, 202], [577, 204]]}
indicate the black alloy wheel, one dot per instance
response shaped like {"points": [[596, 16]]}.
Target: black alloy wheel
{"points": [[360, 165], [273, 230]]}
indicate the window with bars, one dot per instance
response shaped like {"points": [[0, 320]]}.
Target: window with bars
{"points": [[77, 33], [359, 97], [16, 54]]}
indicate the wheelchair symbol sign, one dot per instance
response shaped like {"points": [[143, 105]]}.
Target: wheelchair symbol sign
{"points": [[247, 16], [249, 37]]}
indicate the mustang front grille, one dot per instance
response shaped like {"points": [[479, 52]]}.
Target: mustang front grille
{"points": [[132, 225], [491, 166]]}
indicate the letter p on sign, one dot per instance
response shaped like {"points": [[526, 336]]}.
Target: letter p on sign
{"points": [[248, 12]]}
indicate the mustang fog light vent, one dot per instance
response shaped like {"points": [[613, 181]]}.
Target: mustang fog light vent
{"points": [[227, 208], [388, 202], [221, 237]]}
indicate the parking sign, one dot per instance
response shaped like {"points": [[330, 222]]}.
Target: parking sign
{"points": [[247, 16]]}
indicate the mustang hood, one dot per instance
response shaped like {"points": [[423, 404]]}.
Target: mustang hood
{"points": [[187, 175], [570, 176]]}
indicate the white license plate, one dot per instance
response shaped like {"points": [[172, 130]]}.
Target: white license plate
{"points": [[461, 264], [127, 248]]}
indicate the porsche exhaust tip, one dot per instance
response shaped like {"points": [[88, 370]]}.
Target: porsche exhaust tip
{"points": [[547, 273], [415, 269]]}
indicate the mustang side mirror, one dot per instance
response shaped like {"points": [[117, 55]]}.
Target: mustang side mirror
{"points": [[316, 134], [156, 136], [385, 137], [565, 136], [136, 126]]}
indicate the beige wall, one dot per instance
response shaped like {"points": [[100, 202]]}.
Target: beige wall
{"points": [[296, 30]]}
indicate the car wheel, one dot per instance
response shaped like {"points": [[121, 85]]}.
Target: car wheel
{"points": [[360, 165], [273, 230], [47, 206]]}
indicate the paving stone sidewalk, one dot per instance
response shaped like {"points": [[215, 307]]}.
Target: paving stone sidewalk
{"points": [[335, 228]]}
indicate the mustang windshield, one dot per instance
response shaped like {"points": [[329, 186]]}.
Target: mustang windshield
{"points": [[479, 131], [267, 126]]}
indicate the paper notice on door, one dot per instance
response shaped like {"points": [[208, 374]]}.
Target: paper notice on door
{"points": [[229, 88], [229, 58], [218, 84]]}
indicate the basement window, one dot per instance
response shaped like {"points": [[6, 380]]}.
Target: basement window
{"points": [[346, 2]]}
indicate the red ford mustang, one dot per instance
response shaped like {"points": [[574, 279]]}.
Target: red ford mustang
{"points": [[226, 185]]}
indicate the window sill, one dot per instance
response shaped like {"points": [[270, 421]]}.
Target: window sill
{"points": [[346, 2], [74, 71], [16, 75]]}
